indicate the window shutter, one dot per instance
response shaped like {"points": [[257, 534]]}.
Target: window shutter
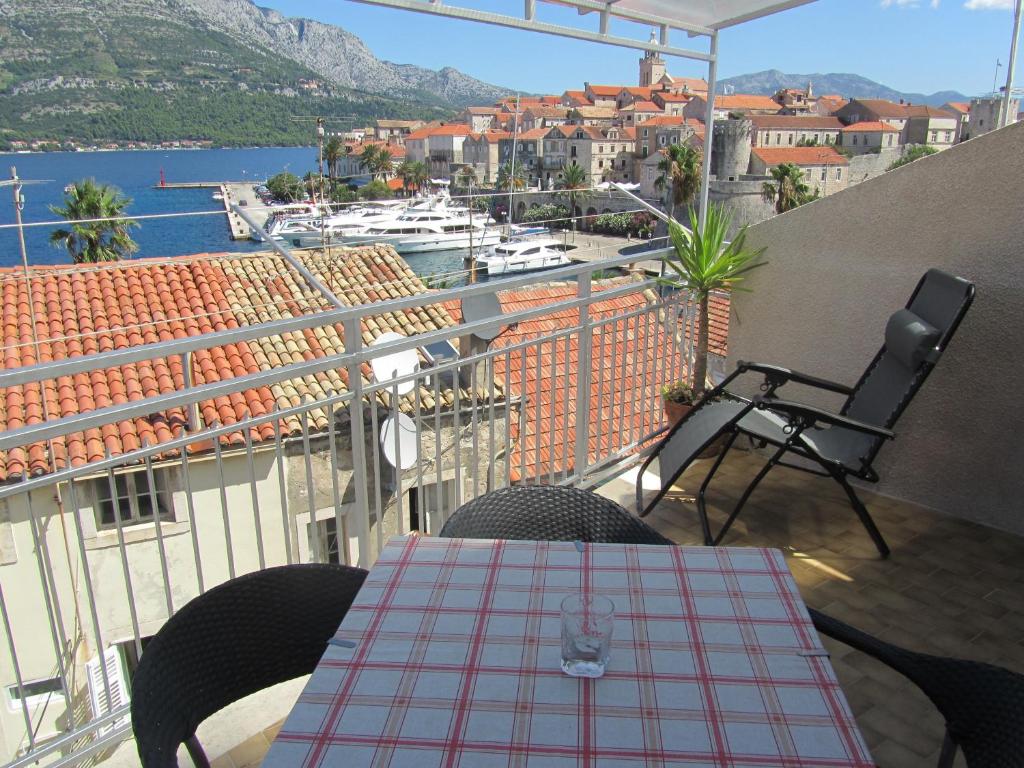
{"points": [[119, 695]]}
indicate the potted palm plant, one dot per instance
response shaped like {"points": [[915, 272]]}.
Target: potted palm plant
{"points": [[703, 261]]}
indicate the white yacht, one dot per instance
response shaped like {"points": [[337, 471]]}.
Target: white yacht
{"points": [[525, 256], [416, 231]]}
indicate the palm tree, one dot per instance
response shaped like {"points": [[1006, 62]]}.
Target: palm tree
{"points": [[704, 262], [368, 159], [334, 150], [384, 165], [680, 175], [574, 186], [510, 179], [787, 189], [95, 241], [405, 171], [420, 174]]}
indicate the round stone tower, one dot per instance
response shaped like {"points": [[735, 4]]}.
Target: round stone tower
{"points": [[730, 150]]}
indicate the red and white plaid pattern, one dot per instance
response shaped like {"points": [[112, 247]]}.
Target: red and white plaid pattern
{"points": [[456, 650]]}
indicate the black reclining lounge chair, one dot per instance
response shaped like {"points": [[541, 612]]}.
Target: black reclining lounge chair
{"points": [[842, 444]]}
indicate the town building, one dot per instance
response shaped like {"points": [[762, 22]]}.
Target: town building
{"points": [[601, 116], [529, 150], [932, 126], [480, 151], [986, 115], [439, 146], [874, 111], [544, 117], [660, 132], [671, 103], [395, 131], [792, 130], [824, 169], [962, 110], [733, 104], [829, 104], [795, 101], [870, 136], [638, 112], [480, 119], [602, 95]]}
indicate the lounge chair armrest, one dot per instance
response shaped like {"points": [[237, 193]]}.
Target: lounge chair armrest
{"points": [[782, 375], [809, 416]]}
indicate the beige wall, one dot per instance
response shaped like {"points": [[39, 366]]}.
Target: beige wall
{"points": [[839, 266]]}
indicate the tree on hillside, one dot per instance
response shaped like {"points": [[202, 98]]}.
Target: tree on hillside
{"points": [[680, 175], [915, 152], [787, 189], [286, 187], [574, 186], [95, 241]]}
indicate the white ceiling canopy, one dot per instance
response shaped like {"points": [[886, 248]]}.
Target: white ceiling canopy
{"points": [[695, 17]]}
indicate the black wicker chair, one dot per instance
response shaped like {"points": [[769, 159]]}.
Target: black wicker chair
{"points": [[238, 638], [983, 705], [548, 513], [838, 445]]}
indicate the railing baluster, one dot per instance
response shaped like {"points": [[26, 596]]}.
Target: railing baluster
{"points": [[417, 408], [378, 501], [313, 527], [508, 418], [583, 291], [353, 343], [125, 568], [218, 457], [30, 731], [489, 373], [290, 547], [474, 423], [456, 417], [538, 427], [158, 528], [339, 517], [192, 523], [565, 404]]}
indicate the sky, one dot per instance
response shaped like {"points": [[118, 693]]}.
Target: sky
{"points": [[914, 46]]}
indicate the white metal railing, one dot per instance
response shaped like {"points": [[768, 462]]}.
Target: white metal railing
{"points": [[104, 553]]}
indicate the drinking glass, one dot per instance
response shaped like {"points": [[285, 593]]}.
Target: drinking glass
{"points": [[587, 622]]}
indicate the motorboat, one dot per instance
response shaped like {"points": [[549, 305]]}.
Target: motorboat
{"points": [[417, 231], [525, 255]]}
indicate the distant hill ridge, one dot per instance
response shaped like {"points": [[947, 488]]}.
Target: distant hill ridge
{"points": [[846, 85], [225, 70]]}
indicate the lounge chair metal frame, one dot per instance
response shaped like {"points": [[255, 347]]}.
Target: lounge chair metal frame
{"points": [[797, 427]]}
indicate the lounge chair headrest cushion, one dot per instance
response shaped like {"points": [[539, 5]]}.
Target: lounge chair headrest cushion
{"points": [[910, 339]]}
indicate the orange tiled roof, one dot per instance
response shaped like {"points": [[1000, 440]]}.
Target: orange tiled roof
{"points": [[646, 106], [831, 103], [439, 129], [746, 101], [884, 107], [960, 106], [696, 84], [643, 91], [595, 113], [482, 110], [873, 126], [923, 110], [667, 96], [629, 132], [533, 133], [619, 353], [800, 156], [609, 91], [84, 310], [578, 97]]}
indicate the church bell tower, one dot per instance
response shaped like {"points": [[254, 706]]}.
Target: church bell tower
{"points": [[652, 66]]}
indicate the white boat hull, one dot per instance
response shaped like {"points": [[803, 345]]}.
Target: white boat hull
{"points": [[526, 264], [421, 243]]}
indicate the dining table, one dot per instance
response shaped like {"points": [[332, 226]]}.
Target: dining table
{"points": [[450, 656]]}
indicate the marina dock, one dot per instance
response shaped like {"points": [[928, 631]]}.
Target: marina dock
{"points": [[593, 247], [232, 192]]}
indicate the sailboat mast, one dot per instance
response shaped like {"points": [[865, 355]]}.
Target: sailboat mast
{"points": [[512, 167]]}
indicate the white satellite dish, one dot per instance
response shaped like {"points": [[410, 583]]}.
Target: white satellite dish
{"points": [[395, 365], [398, 441]]}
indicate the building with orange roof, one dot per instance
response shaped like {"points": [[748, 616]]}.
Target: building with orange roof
{"points": [[789, 130], [479, 118], [575, 99], [602, 95], [593, 115], [632, 93], [828, 105], [745, 104], [638, 112], [935, 127], [480, 152], [870, 136], [395, 131], [962, 110], [825, 170], [604, 152], [671, 103], [544, 117], [796, 101], [439, 145]]}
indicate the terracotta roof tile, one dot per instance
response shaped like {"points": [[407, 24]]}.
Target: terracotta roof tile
{"points": [[83, 310], [800, 156], [625, 406], [871, 127], [746, 101]]}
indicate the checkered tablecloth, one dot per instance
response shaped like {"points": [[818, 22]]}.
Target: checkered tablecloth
{"points": [[455, 662]]}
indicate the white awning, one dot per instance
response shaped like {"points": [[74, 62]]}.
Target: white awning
{"points": [[692, 15]]}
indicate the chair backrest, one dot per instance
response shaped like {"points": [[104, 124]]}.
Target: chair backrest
{"points": [[983, 704], [915, 338], [548, 513], [238, 638]]}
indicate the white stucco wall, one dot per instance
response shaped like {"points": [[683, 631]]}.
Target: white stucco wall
{"points": [[840, 266]]}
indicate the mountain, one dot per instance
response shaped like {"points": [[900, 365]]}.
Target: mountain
{"points": [[847, 85], [225, 70]]}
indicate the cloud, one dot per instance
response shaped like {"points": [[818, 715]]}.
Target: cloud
{"points": [[918, 3], [988, 5]]}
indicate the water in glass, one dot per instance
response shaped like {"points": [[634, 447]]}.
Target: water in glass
{"points": [[587, 622]]}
